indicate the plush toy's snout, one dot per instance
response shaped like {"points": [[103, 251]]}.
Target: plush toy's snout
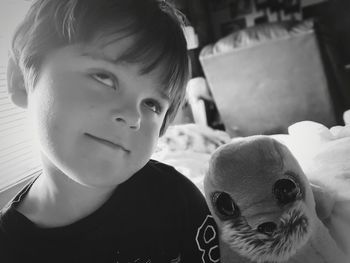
{"points": [[285, 191]]}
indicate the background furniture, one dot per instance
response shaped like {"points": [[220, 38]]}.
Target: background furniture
{"points": [[267, 77]]}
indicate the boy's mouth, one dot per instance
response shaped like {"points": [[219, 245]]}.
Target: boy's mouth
{"points": [[107, 143]]}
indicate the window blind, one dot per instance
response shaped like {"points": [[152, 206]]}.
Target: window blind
{"points": [[19, 158]]}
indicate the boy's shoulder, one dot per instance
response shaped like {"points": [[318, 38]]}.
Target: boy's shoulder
{"points": [[167, 175], [165, 181], [167, 172]]}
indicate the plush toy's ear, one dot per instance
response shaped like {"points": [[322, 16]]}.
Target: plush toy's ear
{"points": [[15, 84]]}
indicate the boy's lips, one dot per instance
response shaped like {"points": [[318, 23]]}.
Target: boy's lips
{"points": [[109, 143]]}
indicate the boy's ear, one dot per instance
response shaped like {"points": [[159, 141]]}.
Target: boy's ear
{"points": [[15, 84]]}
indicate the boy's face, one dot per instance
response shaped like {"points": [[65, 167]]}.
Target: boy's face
{"points": [[97, 120]]}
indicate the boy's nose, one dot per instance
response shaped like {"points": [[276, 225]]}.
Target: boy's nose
{"points": [[128, 117], [132, 125]]}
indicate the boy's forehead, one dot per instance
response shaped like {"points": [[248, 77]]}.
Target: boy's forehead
{"points": [[110, 49]]}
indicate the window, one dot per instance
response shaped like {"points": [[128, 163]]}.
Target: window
{"points": [[19, 158]]}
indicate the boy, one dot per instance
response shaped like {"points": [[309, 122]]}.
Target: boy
{"points": [[102, 79]]}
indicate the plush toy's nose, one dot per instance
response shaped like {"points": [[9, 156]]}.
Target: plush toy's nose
{"points": [[286, 191], [267, 228]]}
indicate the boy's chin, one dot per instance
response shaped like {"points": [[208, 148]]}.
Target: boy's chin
{"points": [[100, 177]]}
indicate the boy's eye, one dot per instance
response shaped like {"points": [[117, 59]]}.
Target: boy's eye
{"points": [[153, 106], [105, 79]]}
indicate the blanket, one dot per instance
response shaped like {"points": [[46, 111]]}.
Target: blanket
{"points": [[188, 147]]}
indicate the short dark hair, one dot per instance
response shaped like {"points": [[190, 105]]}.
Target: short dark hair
{"points": [[157, 26]]}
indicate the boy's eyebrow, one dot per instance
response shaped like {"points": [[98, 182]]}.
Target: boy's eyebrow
{"points": [[101, 57]]}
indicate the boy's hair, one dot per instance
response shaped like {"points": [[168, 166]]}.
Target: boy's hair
{"points": [[156, 25]]}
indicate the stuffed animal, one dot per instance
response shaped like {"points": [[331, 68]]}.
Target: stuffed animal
{"points": [[264, 205]]}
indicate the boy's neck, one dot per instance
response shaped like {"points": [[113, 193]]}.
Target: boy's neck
{"points": [[56, 200]]}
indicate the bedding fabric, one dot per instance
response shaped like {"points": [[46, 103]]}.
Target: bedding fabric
{"points": [[188, 148]]}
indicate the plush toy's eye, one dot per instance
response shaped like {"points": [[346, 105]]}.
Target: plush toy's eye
{"points": [[225, 205], [267, 228], [286, 191]]}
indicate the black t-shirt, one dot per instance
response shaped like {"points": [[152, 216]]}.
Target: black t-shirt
{"points": [[158, 215]]}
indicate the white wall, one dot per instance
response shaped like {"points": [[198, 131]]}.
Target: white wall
{"points": [[11, 13]]}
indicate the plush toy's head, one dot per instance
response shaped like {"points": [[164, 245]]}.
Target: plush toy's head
{"points": [[260, 198]]}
